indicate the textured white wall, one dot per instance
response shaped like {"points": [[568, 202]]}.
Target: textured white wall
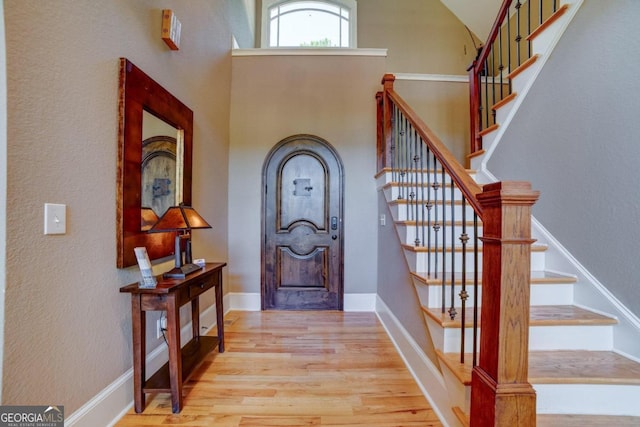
{"points": [[67, 328]]}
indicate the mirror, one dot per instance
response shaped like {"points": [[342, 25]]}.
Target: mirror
{"points": [[154, 162], [161, 168]]}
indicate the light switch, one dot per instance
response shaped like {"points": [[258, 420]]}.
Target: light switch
{"points": [[55, 218], [383, 220]]}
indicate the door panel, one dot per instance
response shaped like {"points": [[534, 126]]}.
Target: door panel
{"points": [[302, 248], [302, 192]]}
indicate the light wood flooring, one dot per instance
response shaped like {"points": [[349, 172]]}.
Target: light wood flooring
{"points": [[297, 369]]}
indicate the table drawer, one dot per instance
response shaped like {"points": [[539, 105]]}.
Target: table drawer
{"points": [[200, 287]]}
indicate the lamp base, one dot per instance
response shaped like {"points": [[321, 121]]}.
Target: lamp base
{"points": [[181, 272]]}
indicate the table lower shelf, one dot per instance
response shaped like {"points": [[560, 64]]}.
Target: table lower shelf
{"points": [[193, 353]]}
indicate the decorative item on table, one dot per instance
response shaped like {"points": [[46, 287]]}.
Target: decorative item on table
{"points": [[148, 280], [181, 219]]}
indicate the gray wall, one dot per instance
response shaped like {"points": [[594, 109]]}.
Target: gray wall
{"points": [[274, 97], [395, 286], [422, 36], [577, 139], [67, 328], [444, 107]]}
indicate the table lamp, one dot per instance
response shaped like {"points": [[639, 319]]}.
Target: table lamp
{"points": [[181, 219]]}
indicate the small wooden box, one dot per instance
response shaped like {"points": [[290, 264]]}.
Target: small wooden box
{"points": [[171, 29]]}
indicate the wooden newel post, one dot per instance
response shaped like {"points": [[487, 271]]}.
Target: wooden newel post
{"points": [[474, 100], [500, 392], [380, 130], [386, 141]]}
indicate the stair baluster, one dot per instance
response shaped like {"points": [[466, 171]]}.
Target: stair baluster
{"points": [[490, 67]]}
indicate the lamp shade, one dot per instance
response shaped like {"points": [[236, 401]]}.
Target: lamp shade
{"points": [[147, 218], [178, 218]]}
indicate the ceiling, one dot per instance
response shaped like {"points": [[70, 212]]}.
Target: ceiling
{"points": [[477, 15]]}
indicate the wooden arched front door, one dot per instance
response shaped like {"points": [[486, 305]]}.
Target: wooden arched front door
{"points": [[302, 245]]}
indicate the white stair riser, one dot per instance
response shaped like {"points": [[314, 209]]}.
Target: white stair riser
{"points": [[389, 177], [550, 294], [487, 139], [519, 82], [586, 399], [570, 337], [595, 399], [420, 261], [503, 111], [406, 211], [541, 294], [421, 193], [407, 234]]}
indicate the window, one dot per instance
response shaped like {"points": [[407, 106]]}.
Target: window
{"points": [[315, 23]]}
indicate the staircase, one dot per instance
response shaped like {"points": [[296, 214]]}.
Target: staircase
{"points": [[579, 377], [498, 106], [573, 365]]}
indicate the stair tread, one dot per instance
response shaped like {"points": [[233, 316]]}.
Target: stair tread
{"points": [[562, 367], [547, 23], [488, 130], [579, 420], [537, 277], [526, 64], [504, 101], [540, 315]]}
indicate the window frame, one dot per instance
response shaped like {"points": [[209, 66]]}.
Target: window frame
{"points": [[267, 5]]}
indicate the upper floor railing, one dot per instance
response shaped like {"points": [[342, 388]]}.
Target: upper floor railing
{"points": [[507, 48]]}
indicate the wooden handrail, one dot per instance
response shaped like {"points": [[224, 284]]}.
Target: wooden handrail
{"points": [[458, 174]]}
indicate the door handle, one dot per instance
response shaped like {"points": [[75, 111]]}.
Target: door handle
{"points": [[334, 237], [334, 222]]}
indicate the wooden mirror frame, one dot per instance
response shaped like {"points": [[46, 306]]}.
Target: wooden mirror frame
{"points": [[138, 92]]}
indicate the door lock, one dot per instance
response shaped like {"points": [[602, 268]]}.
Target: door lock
{"points": [[334, 222]]}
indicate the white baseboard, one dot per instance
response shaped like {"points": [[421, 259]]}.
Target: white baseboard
{"points": [[108, 406], [360, 302], [427, 375], [243, 301]]}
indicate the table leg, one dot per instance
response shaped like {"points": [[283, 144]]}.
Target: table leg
{"points": [[220, 313], [138, 317], [195, 317], [175, 354]]}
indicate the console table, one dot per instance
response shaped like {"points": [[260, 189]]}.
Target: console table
{"points": [[169, 295]]}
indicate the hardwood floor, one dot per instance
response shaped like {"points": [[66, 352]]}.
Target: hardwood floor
{"points": [[284, 368]]}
